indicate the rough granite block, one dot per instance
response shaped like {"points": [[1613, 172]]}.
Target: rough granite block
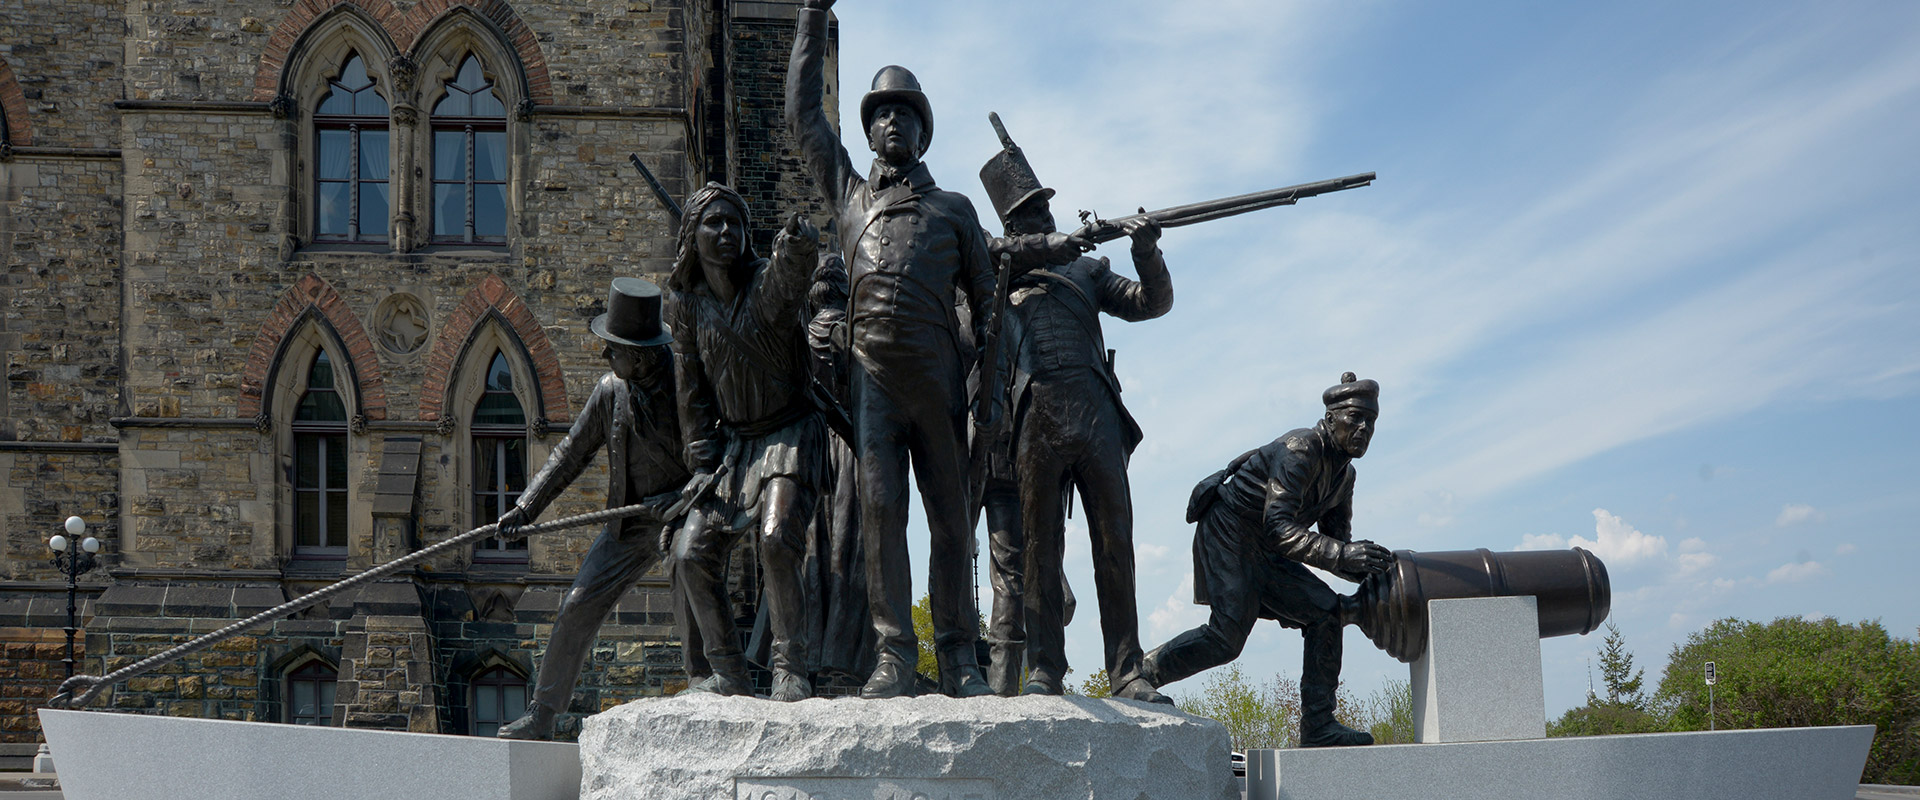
{"points": [[1479, 679], [991, 748]]}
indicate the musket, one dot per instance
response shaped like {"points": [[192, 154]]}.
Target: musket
{"points": [[660, 191], [1098, 230], [986, 411]]}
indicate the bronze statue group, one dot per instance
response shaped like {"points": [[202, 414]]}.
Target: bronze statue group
{"points": [[786, 398]]}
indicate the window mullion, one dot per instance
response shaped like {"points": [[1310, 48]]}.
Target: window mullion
{"points": [[353, 182], [470, 164]]}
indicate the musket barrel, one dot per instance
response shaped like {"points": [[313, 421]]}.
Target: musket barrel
{"points": [[1209, 210]]}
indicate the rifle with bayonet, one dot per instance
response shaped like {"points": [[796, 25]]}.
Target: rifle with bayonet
{"points": [[1097, 230]]}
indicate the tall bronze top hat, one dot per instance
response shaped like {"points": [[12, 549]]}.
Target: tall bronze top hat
{"points": [[1008, 177], [633, 315], [895, 84]]}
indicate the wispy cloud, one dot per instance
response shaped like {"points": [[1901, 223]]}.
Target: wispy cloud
{"points": [[1796, 513], [1797, 572]]}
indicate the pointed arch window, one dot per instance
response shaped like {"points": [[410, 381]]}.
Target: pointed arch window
{"points": [[500, 458], [470, 159], [320, 467], [352, 161], [310, 693], [496, 697]]}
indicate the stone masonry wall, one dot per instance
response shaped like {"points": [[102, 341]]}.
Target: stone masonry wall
{"points": [[766, 167], [34, 671]]}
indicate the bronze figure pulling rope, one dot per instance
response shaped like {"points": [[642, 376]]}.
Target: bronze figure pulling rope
{"points": [[80, 690]]}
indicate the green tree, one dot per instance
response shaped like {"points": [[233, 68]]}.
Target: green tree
{"points": [[1623, 682], [1624, 708], [1387, 713], [1795, 672], [1096, 685], [928, 666], [1264, 716]]}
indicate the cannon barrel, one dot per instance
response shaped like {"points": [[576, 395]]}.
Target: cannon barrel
{"points": [[1570, 586]]}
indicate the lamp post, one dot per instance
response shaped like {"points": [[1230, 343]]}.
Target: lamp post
{"points": [[72, 562]]}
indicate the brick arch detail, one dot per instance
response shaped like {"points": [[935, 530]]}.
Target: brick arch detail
{"points": [[491, 299], [13, 102], [404, 28], [314, 296]]}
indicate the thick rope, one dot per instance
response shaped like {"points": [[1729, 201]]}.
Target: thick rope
{"points": [[95, 685]]}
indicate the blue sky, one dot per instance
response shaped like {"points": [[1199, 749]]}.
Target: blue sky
{"points": [[1643, 277]]}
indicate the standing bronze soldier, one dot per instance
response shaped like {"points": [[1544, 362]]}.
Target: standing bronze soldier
{"points": [[630, 413], [1070, 430], [1256, 520], [741, 358], [911, 249]]}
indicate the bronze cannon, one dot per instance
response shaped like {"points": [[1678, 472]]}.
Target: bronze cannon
{"points": [[1570, 586]]}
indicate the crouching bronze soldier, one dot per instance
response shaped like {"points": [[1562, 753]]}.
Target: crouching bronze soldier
{"points": [[1256, 520], [742, 361], [1070, 429], [631, 413]]}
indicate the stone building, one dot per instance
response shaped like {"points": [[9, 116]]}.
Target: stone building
{"points": [[294, 287]]}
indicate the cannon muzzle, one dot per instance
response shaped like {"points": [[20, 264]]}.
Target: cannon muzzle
{"points": [[1570, 586]]}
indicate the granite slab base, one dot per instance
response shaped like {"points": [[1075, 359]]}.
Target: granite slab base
{"points": [[110, 756], [1769, 764], [937, 748]]}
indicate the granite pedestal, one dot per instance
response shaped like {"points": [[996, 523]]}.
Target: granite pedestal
{"points": [[990, 748], [1769, 764], [1479, 679], [109, 756]]}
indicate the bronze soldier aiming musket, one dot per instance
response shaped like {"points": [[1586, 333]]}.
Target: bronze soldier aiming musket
{"points": [[1097, 230]]}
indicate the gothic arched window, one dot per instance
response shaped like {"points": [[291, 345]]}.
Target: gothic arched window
{"points": [[470, 159], [499, 458], [496, 697], [320, 466], [351, 159], [310, 693]]}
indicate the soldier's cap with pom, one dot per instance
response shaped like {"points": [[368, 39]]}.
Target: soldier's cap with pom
{"points": [[1353, 393]]}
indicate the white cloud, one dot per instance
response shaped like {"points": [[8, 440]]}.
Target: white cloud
{"points": [[1796, 572], [1796, 513], [1691, 563], [1694, 557], [1441, 514], [1617, 542], [1542, 541], [1845, 549], [1723, 584], [1814, 616], [1151, 558], [1177, 614]]}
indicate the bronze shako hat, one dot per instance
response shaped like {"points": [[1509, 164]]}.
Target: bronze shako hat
{"points": [[1352, 393], [895, 84], [633, 315], [1008, 177]]}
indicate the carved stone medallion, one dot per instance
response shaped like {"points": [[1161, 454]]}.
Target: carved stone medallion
{"points": [[400, 323]]}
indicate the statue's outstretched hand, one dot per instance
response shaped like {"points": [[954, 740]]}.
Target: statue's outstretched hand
{"points": [[1364, 558], [800, 237], [1145, 232]]}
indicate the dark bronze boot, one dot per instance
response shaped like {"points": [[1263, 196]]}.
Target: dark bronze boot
{"points": [[1319, 684], [535, 725]]}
